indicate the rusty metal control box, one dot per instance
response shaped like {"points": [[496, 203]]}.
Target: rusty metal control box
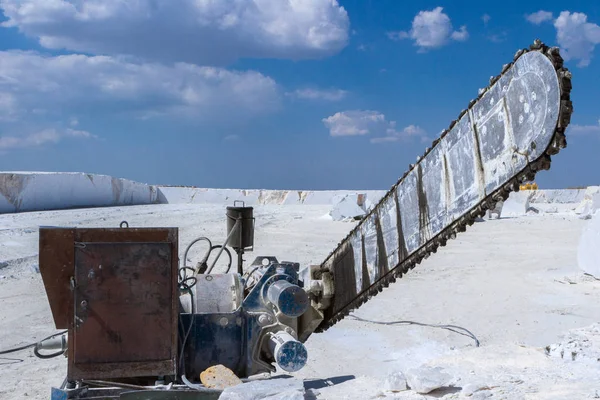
{"points": [[115, 290]]}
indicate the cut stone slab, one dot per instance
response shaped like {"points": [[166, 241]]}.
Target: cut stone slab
{"points": [[271, 389], [590, 203], [348, 207], [588, 251], [517, 204], [427, 379]]}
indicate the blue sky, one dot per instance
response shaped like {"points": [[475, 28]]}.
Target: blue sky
{"points": [[270, 93]]}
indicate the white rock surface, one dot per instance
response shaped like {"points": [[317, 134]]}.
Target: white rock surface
{"points": [[590, 203], [517, 204], [427, 379], [557, 196], [504, 280], [35, 191], [471, 388], [193, 195], [272, 389], [395, 382], [588, 251]]}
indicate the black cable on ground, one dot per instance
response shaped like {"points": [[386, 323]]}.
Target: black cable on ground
{"points": [[9, 360], [46, 356], [452, 328], [27, 346]]}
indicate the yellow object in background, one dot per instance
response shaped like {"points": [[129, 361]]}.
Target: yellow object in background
{"points": [[529, 186]]}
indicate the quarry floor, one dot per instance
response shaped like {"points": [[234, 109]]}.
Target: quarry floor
{"points": [[513, 282]]}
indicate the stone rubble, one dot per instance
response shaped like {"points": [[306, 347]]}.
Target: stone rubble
{"points": [[578, 345], [348, 207], [395, 382], [427, 379], [272, 389]]}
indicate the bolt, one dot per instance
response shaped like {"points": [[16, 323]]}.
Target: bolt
{"points": [[290, 331], [223, 321], [264, 319]]}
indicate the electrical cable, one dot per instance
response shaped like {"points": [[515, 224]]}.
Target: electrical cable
{"points": [[204, 260], [18, 349], [247, 275], [199, 387], [185, 287], [452, 328], [186, 283], [8, 360], [46, 356], [190, 246]]}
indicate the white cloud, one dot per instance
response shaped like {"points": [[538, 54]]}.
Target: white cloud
{"points": [[485, 18], [576, 37], [539, 17], [354, 122], [367, 122], [42, 137], [461, 35], [319, 94], [53, 85], [584, 129], [432, 29], [205, 32]]}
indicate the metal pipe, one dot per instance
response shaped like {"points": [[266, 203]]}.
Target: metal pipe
{"points": [[235, 227], [59, 342], [289, 354], [240, 261], [291, 299]]}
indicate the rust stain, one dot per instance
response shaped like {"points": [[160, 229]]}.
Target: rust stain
{"points": [[366, 279], [382, 259], [402, 250], [11, 187]]}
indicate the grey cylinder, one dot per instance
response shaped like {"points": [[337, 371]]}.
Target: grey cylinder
{"points": [[289, 354], [244, 237], [57, 342], [291, 299]]}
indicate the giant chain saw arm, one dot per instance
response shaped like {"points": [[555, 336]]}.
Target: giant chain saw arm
{"points": [[504, 137]]}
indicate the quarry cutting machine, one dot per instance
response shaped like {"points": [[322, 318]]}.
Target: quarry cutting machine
{"points": [[143, 325]]}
